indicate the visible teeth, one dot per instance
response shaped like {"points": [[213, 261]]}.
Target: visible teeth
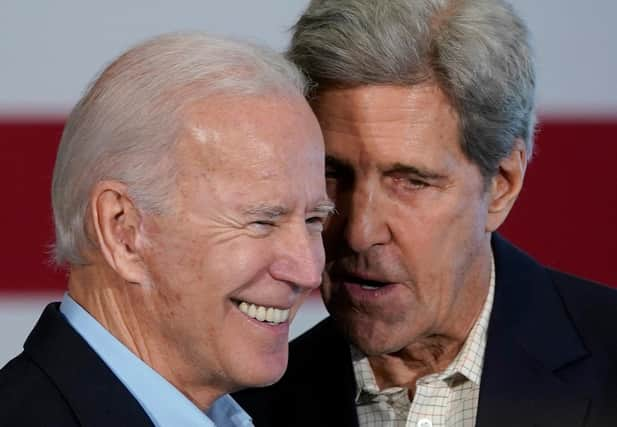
{"points": [[261, 313], [372, 288]]}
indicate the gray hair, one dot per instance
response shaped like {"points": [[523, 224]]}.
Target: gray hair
{"points": [[477, 51], [130, 118]]}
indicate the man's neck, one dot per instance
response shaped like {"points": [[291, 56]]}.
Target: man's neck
{"points": [[424, 357], [124, 311], [434, 352]]}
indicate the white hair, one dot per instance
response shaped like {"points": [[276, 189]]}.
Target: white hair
{"points": [[130, 118]]}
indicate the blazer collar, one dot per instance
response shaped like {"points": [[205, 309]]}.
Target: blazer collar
{"points": [[96, 396], [531, 344]]}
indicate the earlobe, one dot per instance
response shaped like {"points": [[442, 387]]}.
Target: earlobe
{"points": [[116, 224], [506, 185]]}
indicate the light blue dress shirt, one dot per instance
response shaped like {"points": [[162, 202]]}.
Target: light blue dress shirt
{"points": [[165, 405]]}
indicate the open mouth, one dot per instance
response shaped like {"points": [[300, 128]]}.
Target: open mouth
{"points": [[262, 313], [364, 283], [368, 284]]}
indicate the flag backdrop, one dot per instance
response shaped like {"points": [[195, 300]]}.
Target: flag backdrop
{"points": [[566, 216]]}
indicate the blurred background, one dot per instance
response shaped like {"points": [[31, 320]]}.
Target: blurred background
{"points": [[49, 51]]}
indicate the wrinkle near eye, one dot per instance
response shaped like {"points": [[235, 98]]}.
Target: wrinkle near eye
{"points": [[220, 227]]}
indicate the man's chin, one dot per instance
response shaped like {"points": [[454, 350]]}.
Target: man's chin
{"points": [[366, 336], [260, 383], [371, 347], [270, 381], [265, 375]]}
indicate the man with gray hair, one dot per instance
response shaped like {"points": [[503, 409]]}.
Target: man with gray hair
{"points": [[189, 198], [427, 109]]}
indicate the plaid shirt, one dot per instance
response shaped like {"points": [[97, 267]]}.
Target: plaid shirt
{"points": [[445, 399]]}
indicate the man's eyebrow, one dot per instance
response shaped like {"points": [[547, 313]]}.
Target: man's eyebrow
{"points": [[266, 211], [325, 207], [413, 170]]}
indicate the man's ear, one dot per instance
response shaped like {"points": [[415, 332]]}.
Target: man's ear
{"points": [[116, 223], [506, 185]]}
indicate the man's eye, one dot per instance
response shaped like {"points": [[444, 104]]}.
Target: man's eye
{"points": [[263, 223], [316, 223], [416, 183], [410, 182], [262, 227]]}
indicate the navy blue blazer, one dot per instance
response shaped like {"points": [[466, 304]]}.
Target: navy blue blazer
{"points": [[550, 360], [59, 381]]}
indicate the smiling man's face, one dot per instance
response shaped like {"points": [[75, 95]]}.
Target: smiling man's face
{"points": [[242, 249]]}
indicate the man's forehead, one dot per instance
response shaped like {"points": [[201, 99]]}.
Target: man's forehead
{"points": [[212, 154], [228, 109], [382, 95], [225, 140], [250, 120], [204, 134], [240, 156]]}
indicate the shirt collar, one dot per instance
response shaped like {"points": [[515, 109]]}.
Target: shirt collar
{"points": [[164, 404], [470, 359], [467, 364]]}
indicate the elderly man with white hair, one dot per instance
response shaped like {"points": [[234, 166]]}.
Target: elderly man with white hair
{"points": [[189, 199]]}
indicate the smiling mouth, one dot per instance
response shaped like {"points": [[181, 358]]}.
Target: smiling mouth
{"points": [[262, 313]]}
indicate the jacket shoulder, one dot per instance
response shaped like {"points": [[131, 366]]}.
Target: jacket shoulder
{"points": [[593, 308], [29, 398], [583, 288]]}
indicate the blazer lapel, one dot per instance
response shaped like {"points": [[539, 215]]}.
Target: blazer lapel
{"points": [[531, 347], [96, 396]]}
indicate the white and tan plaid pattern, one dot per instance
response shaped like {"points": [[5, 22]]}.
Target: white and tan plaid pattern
{"points": [[445, 399]]}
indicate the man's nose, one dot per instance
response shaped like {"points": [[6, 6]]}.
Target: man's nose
{"points": [[301, 260], [365, 224]]}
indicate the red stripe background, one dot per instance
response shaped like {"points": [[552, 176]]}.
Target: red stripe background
{"points": [[566, 215]]}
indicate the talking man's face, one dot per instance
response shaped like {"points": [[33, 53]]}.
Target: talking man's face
{"points": [[242, 249], [411, 229]]}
